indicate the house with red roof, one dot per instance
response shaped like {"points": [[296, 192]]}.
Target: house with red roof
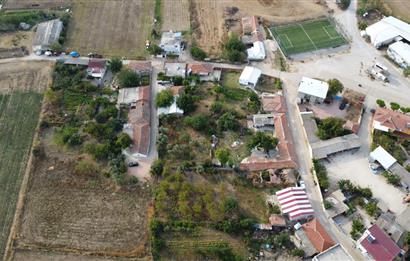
{"points": [[205, 71], [391, 121], [96, 68], [375, 244]]}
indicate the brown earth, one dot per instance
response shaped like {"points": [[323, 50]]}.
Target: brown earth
{"points": [[36, 4], [16, 39], [400, 9], [175, 15], [208, 17], [110, 27]]}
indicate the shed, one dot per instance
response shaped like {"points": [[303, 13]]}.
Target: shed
{"points": [[312, 90], [388, 30], [335, 253], [400, 53], [383, 157], [250, 76], [47, 34], [257, 51]]}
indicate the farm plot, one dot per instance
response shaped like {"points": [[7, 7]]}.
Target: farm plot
{"points": [[35, 4], [209, 17], [110, 27], [307, 36], [175, 15], [20, 103]]}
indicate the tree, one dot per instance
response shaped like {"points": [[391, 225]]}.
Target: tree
{"points": [[157, 168], [298, 252], [330, 128], [406, 71], [186, 102], [128, 78], [155, 49], [57, 47], [394, 106], [335, 86], [254, 103], [197, 53], [227, 122], [223, 155], [123, 140], [344, 4], [198, 122], [371, 209], [234, 49], [264, 141], [115, 64], [230, 205], [381, 103], [164, 98]]}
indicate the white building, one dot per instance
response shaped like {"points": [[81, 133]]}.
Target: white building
{"points": [[250, 76], [257, 51], [47, 34], [312, 90], [400, 53], [171, 42], [388, 30], [383, 157]]}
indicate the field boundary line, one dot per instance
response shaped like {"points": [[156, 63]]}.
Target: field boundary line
{"points": [[287, 38], [331, 37], [301, 26]]}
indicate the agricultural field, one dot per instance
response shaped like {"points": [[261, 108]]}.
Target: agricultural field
{"points": [[307, 36], [175, 15], [208, 17], [36, 4], [21, 87], [399, 9], [111, 28]]}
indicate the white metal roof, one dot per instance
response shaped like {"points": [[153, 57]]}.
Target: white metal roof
{"points": [[402, 49], [383, 157], [294, 202], [250, 75], [257, 51], [313, 87], [387, 29]]}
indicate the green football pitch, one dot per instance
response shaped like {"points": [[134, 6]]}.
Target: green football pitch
{"points": [[307, 36]]}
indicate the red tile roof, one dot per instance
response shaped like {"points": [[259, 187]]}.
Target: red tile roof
{"points": [[250, 25], [140, 114], [393, 120], [140, 67], [317, 235], [139, 118], [379, 245], [96, 64], [273, 103], [144, 93], [200, 68]]}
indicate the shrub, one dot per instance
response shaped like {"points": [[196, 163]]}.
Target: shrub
{"points": [[128, 78], [154, 49], [327, 204], [394, 106], [344, 4], [223, 155], [330, 128], [335, 86], [198, 122], [186, 102], [197, 53], [228, 122], [254, 103], [381, 103], [371, 209], [115, 64], [391, 178], [362, 25], [164, 98], [86, 167], [157, 168], [123, 140], [298, 252], [357, 228], [406, 71], [262, 140], [234, 49], [321, 174]]}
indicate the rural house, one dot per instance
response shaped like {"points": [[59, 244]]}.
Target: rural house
{"points": [[141, 68], [205, 71], [375, 244], [263, 121], [388, 224], [96, 68], [399, 52], [391, 121], [312, 90], [253, 35], [250, 76], [47, 34], [175, 69], [130, 96], [273, 103], [294, 203], [171, 43]]}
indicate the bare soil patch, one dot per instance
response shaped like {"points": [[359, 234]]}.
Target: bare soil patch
{"points": [[210, 27], [400, 9], [36, 4], [17, 39], [110, 27], [175, 15]]}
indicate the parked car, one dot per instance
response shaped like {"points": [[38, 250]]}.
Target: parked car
{"points": [[342, 105], [94, 55], [133, 164]]}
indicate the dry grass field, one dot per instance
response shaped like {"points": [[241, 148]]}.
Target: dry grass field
{"points": [[400, 9], [175, 15], [111, 27], [209, 16], [36, 4], [21, 87]]}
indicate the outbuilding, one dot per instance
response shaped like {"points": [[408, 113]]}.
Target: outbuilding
{"points": [[312, 90], [256, 52], [400, 53], [388, 30], [383, 157], [47, 34], [250, 76]]}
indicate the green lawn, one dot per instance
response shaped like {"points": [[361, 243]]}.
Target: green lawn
{"points": [[19, 114], [307, 36]]}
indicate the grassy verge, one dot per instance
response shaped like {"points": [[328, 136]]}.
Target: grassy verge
{"points": [[18, 116]]}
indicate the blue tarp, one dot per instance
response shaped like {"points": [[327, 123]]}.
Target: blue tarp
{"points": [[74, 54]]}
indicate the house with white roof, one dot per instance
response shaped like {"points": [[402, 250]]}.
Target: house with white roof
{"points": [[250, 76], [312, 90], [256, 52], [171, 42], [388, 30], [383, 157], [399, 52]]}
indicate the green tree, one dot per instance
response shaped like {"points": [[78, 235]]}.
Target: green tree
{"points": [[394, 106], [344, 4], [234, 48], [223, 155], [298, 252], [57, 47], [254, 103], [197, 53], [123, 140], [227, 122], [128, 78], [381, 103], [371, 209], [155, 49], [330, 128], [406, 71], [157, 168], [198, 122], [264, 141], [335, 86], [186, 102], [164, 98], [115, 64]]}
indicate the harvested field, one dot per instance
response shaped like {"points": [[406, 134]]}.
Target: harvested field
{"points": [[208, 17], [110, 27], [175, 15], [400, 9], [75, 214], [21, 86], [17, 39], [36, 4]]}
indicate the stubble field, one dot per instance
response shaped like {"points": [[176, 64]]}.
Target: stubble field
{"points": [[175, 15], [111, 27], [36, 4], [21, 87], [209, 17]]}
